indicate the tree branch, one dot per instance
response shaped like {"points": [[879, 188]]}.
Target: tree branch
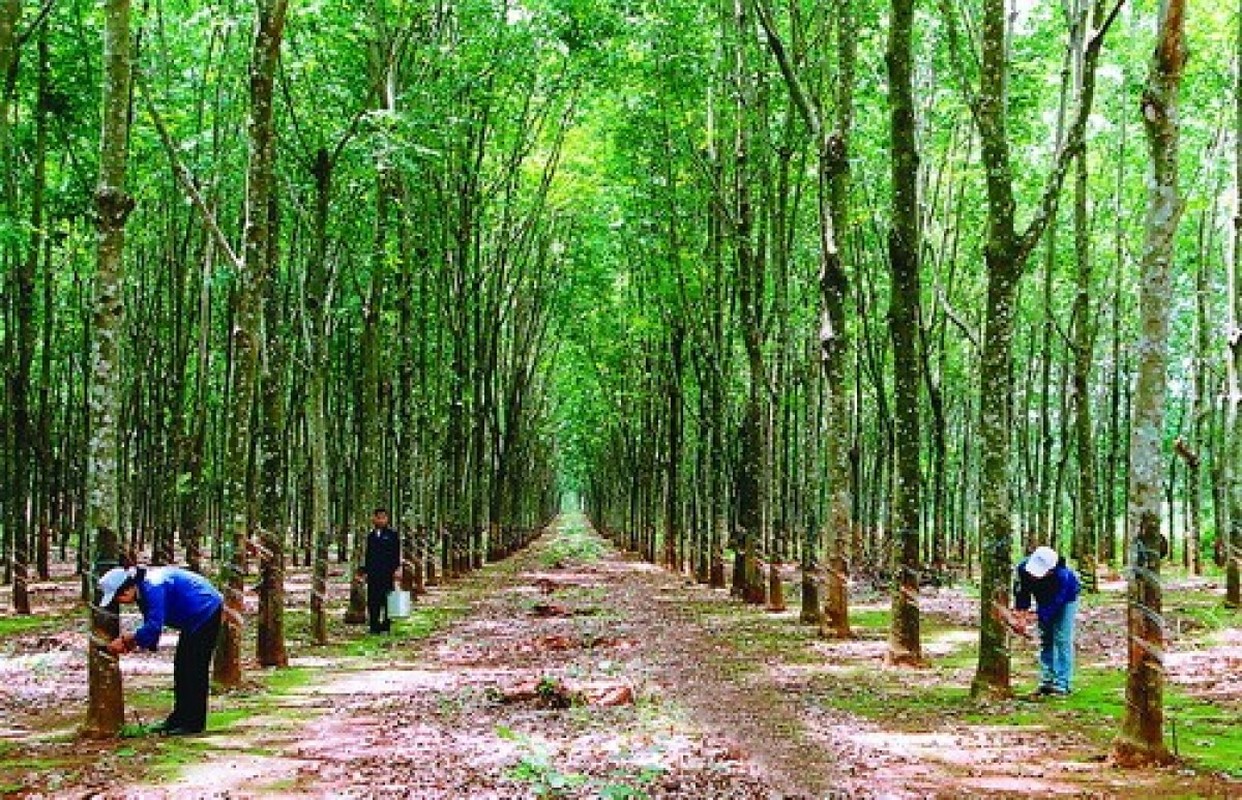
{"points": [[957, 321], [187, 180], [35, 24], [948, 10], [808, 109], [1074, 144]]}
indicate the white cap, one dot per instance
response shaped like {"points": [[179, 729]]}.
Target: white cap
{"points": [[111, 582], [1041, 562]]}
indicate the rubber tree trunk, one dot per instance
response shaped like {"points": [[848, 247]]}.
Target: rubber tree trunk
{"points": [[270, 650], [832, 199], [1005, 253], [751, 473], [247, 330], [105, 701], [1231, 546], [904, 317], [1141, 740], [1086, 533], [1086, 539], [996, 370], [9, 254], [24, 499]]}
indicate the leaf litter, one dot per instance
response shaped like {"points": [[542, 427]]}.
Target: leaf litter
{"points": [[643, 684]]}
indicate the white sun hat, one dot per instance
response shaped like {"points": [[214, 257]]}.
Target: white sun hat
{"points": [[111, 582], [1041, 562]]}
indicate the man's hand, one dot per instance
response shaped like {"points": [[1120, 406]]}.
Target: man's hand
{"points": [[1023, 621], [125, 643]]}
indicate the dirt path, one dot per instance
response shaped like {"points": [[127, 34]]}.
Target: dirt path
{"points": [[573, 671], [473, 711]]}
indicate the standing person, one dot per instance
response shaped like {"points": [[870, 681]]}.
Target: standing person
{"points": [[383, 559], [183, 600], [1044, 576]]}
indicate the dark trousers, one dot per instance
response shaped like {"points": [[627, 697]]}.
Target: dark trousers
{"points": [[192, 676], [377, 605]]}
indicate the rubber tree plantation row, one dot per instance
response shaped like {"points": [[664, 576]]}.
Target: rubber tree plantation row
{"points": [[891, 292]]}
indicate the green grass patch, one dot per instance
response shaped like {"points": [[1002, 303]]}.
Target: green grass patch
{"points": [[285, 680], [882, 702], [873, 619], [964, 655], [573, 543], [1195, 618], [788, 641], [1208, 736], [39, 764], [133, 730], [1094, 707], [23, 625], [422, 623], [173, 755], [229, 717]]}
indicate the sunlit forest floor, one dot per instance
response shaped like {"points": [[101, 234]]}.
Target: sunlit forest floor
{"points": [[571, 670]]}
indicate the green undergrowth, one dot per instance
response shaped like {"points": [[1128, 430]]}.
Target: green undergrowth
{"points": [[168, 758], [1205, 735], [575, 542], [1200, 617], [869, 619], [422, 623], [356, 641], [538, 772], [284, 681], [755, 641], [26, 625]]}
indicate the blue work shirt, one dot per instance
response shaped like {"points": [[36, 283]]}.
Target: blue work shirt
{"points": [[1051, 592], [174, 597]]}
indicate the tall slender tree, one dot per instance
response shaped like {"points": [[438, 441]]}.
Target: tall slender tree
{"points": [[23, 498], [105, 704], [1006, 252], [12, 461], [247, 333], [832, 192], [904, 317], [1084, 543], [1141, 739], [1231, 534]]}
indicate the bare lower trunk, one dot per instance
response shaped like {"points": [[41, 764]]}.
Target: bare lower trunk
{"points": [[904, 643], [1230, 535], [776, 590], [255, 268], [1141, 740], [105, 704]]}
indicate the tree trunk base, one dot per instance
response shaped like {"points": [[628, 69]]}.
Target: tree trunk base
{"points": [[905, 658], [829, 629], [986, 692], [812, 608], [1130, 754]]}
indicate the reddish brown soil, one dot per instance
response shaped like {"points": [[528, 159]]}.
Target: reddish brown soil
{"points": [[603, 678]]}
